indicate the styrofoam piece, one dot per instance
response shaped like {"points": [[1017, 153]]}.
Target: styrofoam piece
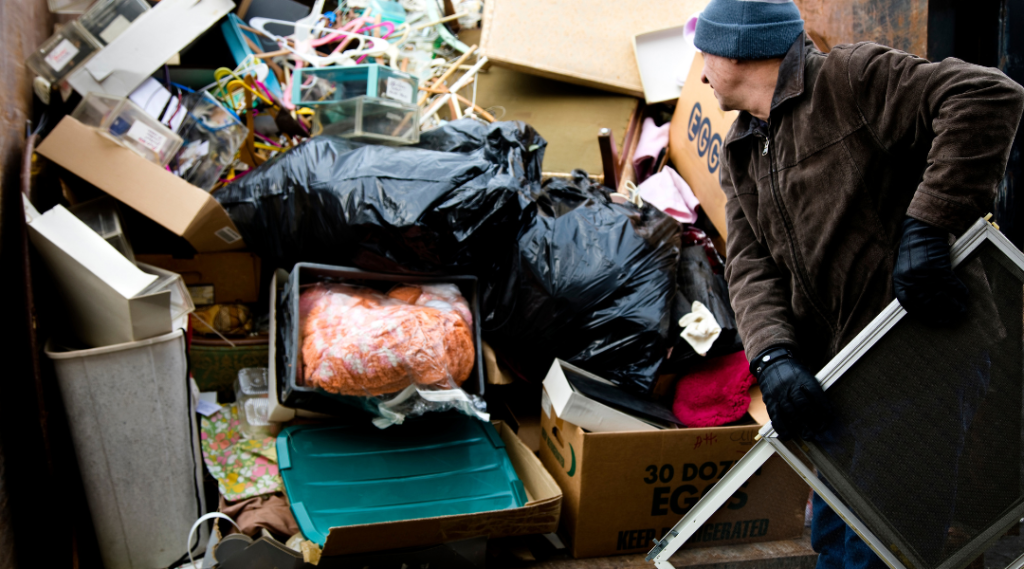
{"points": [[131, 416], [657, 57]]}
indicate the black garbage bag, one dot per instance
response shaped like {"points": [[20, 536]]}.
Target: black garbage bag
{"points": [[436, 208], [701, 278], [590, 282]]}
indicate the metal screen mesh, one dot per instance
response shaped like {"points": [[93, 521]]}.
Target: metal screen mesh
{"points": [[926, 444]]}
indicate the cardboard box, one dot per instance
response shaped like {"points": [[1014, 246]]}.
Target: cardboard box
{"points": [[567, 116], [623, 490], [182, 208], [539, 515], [109, 300], [589, 44], [215, 278], [698, 130]]}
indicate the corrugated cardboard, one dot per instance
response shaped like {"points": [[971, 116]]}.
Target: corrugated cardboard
{"points": [[585, 43], [107, 297], [151, 190], [151, 40], [623, 490], [698, 129], [539, 515], [567, 116], [220, 278]]}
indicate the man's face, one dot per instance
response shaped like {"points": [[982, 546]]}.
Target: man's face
{"points": [[724, 76]]}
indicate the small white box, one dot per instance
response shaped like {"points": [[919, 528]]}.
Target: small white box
{"points": [[109, 299]]}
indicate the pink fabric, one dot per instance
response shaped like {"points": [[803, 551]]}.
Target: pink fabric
{"points": [[653, 139], [716, 392], [670, 193]]}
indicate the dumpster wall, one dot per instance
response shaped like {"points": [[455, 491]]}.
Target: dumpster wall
{"points": [[24, 24]]}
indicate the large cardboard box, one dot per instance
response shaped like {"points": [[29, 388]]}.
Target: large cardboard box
{"points": [[539, 515], [698, 130], [587, 43], [146, 187], [624, 490], [214, 278]]}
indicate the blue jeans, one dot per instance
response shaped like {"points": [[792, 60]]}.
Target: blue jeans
{"points": [[838, 546]]}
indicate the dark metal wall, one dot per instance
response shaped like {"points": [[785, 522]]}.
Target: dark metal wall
{"points": [[24, 461]]}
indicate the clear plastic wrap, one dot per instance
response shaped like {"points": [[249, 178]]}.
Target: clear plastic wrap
{"points": [[395, 346], [407, 351], [211, 137]]}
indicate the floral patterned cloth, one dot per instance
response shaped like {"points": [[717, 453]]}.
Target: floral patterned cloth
{"points": [[243, 467]]}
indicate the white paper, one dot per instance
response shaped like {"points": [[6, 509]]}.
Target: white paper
{"points": [[61, 55], [399, 90], [114, 29], [147, 136], [205, 408], [153, 98]]}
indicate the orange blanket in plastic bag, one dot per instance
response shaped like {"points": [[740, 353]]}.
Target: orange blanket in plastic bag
{"points": [[358, 341]]}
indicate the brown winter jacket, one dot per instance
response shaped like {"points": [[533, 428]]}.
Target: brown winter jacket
{"points": [[859, 139]]}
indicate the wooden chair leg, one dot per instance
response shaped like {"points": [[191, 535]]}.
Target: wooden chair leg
{"points": [[609, 158]]}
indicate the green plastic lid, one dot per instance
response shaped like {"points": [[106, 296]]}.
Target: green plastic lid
{"points": [[441, 465]]}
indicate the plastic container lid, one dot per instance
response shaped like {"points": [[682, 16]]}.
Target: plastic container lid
{"points": [[439, 465]]}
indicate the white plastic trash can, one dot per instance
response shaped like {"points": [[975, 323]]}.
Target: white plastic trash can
{"points": [[130, 411]]}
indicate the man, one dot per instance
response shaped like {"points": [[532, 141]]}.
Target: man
{"points": [[845, 174]]}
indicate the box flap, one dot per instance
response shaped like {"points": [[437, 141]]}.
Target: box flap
{"points": [[154, 192]]}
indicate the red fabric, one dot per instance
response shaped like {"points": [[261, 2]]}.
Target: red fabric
{"points": [[715, 392]]}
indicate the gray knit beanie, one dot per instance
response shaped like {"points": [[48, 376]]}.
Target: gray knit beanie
{"points": [[748, 29]]}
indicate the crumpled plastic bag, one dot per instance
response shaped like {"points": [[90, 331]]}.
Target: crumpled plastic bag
{"points": [[392, 349], [701, 279], [590, 282], [438, 207]]}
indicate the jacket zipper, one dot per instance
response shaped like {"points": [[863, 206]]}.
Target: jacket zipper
{"points": [[767, 151]]}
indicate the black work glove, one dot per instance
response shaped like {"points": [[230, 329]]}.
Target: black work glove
{"points": [[796, 402], [923, 278]]}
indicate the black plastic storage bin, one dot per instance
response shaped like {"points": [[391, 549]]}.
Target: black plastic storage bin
{"points": [[286, 365]]}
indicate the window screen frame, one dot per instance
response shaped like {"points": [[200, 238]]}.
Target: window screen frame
{"points": [[769, 444]]}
